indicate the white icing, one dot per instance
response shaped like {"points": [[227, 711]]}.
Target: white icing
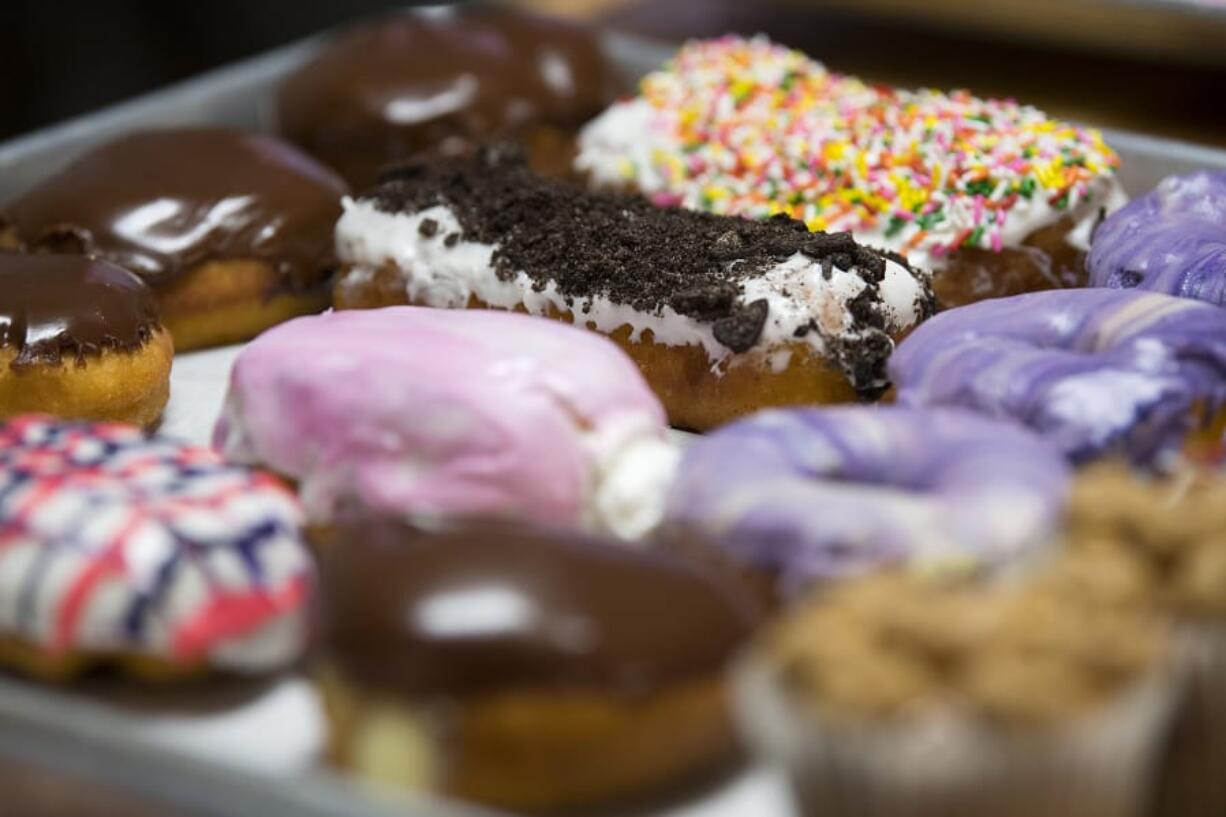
{"points": [[630, 486], [437, 275]]}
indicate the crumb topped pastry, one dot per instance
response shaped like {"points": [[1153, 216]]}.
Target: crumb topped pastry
{"points": [[969, 187], [709, 306], [915, 697]]}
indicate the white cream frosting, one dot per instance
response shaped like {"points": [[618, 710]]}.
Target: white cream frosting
{"points": [[438, 275]]}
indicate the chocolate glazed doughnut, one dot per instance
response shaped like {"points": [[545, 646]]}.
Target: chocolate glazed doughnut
{"points": [[443, 81], [232, 230], [521, 668], [81, 339]]}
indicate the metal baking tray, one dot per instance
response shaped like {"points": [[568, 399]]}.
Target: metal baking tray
{"points": [[91, 737]]}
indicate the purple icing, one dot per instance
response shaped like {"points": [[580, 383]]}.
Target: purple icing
{"points": [[1172, 240], [1096, 371], [809, 494]]}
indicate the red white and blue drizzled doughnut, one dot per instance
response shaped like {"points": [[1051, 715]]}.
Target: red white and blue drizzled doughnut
{"points": [[1095, 371], [115, 543], [815, 494], [1172, 240]]}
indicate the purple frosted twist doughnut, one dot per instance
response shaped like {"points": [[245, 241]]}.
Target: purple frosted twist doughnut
{"points": [[1171, 240], [813, 494], [1095, 371]]}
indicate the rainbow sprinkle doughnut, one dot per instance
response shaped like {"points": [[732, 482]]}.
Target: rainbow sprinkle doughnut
{"points": [[1096, 371], [118, 546], [746, 127], [815, 494]]}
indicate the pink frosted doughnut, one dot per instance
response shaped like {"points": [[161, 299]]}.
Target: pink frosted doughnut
{"points": [[417, 411]]}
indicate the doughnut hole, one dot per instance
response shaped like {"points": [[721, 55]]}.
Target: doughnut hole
{"points": [[227, 301], [116, 386], [1044, 260]]}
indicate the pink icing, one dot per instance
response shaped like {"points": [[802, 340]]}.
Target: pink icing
{"points": [[415, 410]]}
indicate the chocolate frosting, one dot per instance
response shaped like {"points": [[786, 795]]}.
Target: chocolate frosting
{"points": [[441, 81], [161, 202], [481, 607], [52, 306]]}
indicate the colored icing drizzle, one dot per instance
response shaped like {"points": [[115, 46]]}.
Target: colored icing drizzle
{"points": [[53, 307], [114, 543], [750, 128], [162, 202], [481, 608]]}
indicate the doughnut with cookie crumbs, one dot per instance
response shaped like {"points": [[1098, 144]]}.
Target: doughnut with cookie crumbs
{"points": [[722, 315], [917, 697], [80, 338], [1163, 540], [993, 196], [140, 553], [232, 230]]}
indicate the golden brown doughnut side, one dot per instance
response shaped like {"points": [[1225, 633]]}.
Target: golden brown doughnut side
{"points": [[228, 301], [537, 751], [694, 396], [128, 387], [1044, 260], [63, 668]]}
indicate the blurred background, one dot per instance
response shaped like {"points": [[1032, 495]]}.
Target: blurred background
{"points": [[1151, 65]]}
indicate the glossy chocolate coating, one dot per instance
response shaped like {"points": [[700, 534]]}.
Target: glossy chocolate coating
{"points": [[161, 202], [481, 608], [53, 306], [441, 81]]}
